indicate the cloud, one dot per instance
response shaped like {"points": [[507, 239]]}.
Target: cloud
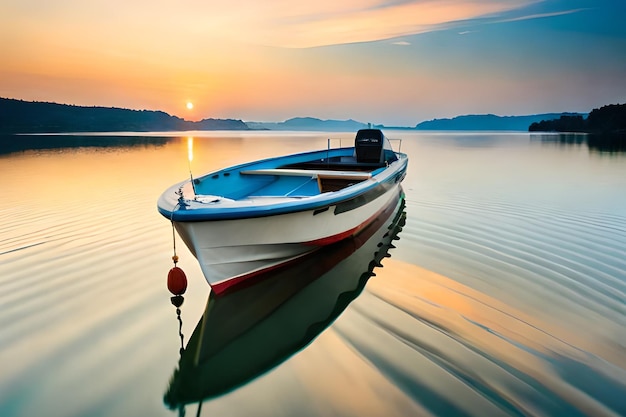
{"points": [[401, 43], [282, 23], [275, 23], [540, 15]]}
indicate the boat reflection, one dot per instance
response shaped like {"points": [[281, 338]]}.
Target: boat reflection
{"points": [[246, 333]]}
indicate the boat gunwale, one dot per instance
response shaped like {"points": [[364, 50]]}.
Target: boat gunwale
{"points": [[186, 210]]}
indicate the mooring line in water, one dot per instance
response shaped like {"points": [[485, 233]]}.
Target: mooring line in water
{"points": [[178, 301]]}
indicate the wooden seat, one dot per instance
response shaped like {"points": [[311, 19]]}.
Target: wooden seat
{"points": [[312, 173]]}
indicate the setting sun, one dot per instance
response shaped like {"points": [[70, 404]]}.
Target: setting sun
{"points": [[189, 105]]}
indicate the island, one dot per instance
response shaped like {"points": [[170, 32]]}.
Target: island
{"points": [[310, 123], [488, 122]]}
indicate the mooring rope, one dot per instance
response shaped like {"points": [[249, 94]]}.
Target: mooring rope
{"points": [[174, 257]]}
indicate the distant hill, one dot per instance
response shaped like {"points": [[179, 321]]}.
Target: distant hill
{"points": [[488, 122], [18, 116], [310, 123]]}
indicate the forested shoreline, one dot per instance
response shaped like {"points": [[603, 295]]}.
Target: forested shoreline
{"points": [[18, 116], [606, 120]]}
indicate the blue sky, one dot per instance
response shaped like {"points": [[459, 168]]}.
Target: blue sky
{"points": [[395, 62]]}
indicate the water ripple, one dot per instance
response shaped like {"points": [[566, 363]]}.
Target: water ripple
{"points": [[458, 351]]}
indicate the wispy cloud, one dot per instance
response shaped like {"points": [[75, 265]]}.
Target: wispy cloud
{"points": [[284, 24], [540, 15], [401, 43]]}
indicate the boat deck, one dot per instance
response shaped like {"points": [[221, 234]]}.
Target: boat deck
{"points": [[338, 163], [297, 177]]}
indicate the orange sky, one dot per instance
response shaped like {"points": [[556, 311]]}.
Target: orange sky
{"points": [[392, 62]]}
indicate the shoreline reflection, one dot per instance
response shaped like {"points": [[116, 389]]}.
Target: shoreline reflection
{"points": [[20, 143], [603, 143]]}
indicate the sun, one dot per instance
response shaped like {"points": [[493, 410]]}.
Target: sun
{"points": [[189, 105]]}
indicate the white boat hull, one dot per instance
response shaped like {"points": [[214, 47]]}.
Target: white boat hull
{"points": [[231, 251]]}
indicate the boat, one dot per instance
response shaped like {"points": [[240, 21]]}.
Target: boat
{"points": [[244, 334], [246, 219]]}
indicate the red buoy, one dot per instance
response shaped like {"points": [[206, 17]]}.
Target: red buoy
{"points": [[176, 281]]}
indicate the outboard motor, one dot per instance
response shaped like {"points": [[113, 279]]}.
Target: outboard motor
{"points": [[371, 146], [368, 145]]}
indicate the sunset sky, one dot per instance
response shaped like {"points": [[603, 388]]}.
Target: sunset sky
{"points": [[396, 62]]}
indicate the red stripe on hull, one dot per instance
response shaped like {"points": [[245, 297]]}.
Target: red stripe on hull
{"points": [[252, 277], [343, 235]]}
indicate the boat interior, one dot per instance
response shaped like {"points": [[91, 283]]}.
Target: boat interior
{"points": [[324, 171]]}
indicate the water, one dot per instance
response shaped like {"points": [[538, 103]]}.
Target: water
{"points": [[505, 294]]}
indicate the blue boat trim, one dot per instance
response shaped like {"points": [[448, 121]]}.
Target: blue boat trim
{"points": [[352, 201]]}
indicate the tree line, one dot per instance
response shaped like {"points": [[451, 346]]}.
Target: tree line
{"points": [[18, 116], [610, 119]]}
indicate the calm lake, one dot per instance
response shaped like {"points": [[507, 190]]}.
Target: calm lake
{"points": [[505, 293]]}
